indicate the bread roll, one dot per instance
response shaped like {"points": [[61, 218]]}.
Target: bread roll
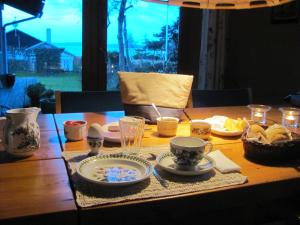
{"points": [[278, 133]]}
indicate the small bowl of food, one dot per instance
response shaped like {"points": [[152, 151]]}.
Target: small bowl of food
{"points": [[75, 130]]}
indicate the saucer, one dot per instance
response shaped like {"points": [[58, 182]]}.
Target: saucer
{"points": [[166, 162]]}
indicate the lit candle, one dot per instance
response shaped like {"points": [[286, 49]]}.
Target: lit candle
{"points": [[290, 120], [258, 117]]}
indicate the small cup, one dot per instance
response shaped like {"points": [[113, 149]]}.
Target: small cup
{"points": [[167, 126], [188, 151], [95, 144], [200, 129], [75, 130]]}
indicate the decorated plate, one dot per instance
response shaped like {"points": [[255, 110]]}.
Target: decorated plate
{"points": [[111, 136], [114, 170], [166, 162]]}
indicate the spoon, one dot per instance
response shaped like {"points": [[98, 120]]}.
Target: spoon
{"points": [[156, 110]]}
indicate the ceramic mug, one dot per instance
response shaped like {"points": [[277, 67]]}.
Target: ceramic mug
{"points": [[188, 151], [75, 130], [200, 129], [167, 126]]}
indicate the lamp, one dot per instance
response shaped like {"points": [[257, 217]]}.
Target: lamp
{"points": [[222, 4]]}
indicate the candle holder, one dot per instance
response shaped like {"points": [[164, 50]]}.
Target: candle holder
{"points": [[259, 113], [290, 116]]}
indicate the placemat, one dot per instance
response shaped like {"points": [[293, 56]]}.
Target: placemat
{"points": [[90, 194]]}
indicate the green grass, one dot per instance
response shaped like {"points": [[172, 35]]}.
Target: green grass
{"points": [[68, 81]]}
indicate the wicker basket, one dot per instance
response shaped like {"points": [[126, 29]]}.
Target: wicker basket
{"points": [[272, 152]]}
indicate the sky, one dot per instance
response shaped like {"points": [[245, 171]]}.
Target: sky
{"points": [[64, 19]]}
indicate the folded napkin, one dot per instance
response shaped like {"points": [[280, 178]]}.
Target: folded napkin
{"points": [[223, 164]]}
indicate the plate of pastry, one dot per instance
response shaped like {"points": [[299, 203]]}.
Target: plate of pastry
{"points": [[225, 126], [111, 132]]}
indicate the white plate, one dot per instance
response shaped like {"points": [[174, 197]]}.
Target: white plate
{"points": [[223, 132], [109, 135], [217, 126], [114, 170], [166, 162]]}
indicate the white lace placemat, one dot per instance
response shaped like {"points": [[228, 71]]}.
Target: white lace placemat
{"points": [[90, 194]]}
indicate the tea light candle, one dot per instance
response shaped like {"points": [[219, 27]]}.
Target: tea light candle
{"points": [[259, 113], [290, 116]]}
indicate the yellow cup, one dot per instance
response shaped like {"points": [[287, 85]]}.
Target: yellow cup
{"points": [[167, 126], [200, 129]]}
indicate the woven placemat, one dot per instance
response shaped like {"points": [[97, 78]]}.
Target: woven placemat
{"points": [[90, 194]]}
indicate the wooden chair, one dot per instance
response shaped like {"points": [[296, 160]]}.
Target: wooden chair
{"points": [[226, 97], [88, 101]]}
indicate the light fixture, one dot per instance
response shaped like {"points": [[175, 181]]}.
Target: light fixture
{"points": [[222, 4]]}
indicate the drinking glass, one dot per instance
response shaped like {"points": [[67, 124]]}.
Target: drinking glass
{"points": [[132, 130], [259, 113], [290, 116]]}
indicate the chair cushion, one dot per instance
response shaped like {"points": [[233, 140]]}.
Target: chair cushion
{"points": [[169, 92]]}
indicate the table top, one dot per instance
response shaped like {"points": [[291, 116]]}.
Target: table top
{"points": [[232, 146], [34, 188], [35, 175]]}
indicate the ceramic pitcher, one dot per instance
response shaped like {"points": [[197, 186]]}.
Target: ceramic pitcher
{"points": [[21, 132]]}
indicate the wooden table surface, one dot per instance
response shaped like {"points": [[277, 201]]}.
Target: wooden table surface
{"points": [[265, 182], [33, 188]]}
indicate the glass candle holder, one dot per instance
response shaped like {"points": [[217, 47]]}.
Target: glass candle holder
{"points": [[290, 116], [259, 113]]}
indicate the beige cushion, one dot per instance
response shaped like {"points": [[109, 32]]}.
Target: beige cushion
{"points": [[165, 90]]}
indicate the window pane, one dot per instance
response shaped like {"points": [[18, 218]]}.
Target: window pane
{"points": [[47, 49], [142, 37]]}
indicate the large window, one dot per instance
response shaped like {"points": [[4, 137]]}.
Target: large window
{"points": [[141, 37], [47, 49]]}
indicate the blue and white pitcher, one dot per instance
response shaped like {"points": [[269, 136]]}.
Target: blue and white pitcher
{"points": [[21, 132]]}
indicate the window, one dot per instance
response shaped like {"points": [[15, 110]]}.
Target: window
{"points": [[141, 37], [47, 49]]}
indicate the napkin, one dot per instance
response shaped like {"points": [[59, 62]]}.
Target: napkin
{"points": [[223, 164]]}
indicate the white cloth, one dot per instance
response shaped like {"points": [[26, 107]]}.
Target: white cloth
{"points": [[223, 164]]}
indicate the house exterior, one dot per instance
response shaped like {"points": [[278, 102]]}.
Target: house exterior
{"points": [[28, 53]]}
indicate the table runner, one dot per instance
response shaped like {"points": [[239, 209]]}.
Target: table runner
{"points": [[89, 194]]}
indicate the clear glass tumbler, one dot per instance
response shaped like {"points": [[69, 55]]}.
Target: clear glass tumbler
{"points": [[259, 113], [132, 131], [290, 116]]}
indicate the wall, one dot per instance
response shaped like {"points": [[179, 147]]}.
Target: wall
{"points": [[263, 55]]}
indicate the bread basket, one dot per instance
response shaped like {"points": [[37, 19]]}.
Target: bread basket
{"points": [[283, 150]]}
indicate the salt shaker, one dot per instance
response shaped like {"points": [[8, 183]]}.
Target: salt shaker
{"points": [[95, 138]]}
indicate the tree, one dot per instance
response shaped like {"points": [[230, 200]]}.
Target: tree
{"points": [[172, 42], [122, 6]]}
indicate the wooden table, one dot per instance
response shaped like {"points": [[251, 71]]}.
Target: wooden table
{"points": [[36, 190], [267, 184]]}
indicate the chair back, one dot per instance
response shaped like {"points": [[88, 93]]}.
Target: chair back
{"points": [[88, 101], [225, 97]]}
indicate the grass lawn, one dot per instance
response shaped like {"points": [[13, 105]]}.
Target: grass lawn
{"points": [[68, 81]]}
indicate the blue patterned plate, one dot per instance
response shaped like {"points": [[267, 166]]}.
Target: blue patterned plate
{"points": [[166, 162], [114, 169]]}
